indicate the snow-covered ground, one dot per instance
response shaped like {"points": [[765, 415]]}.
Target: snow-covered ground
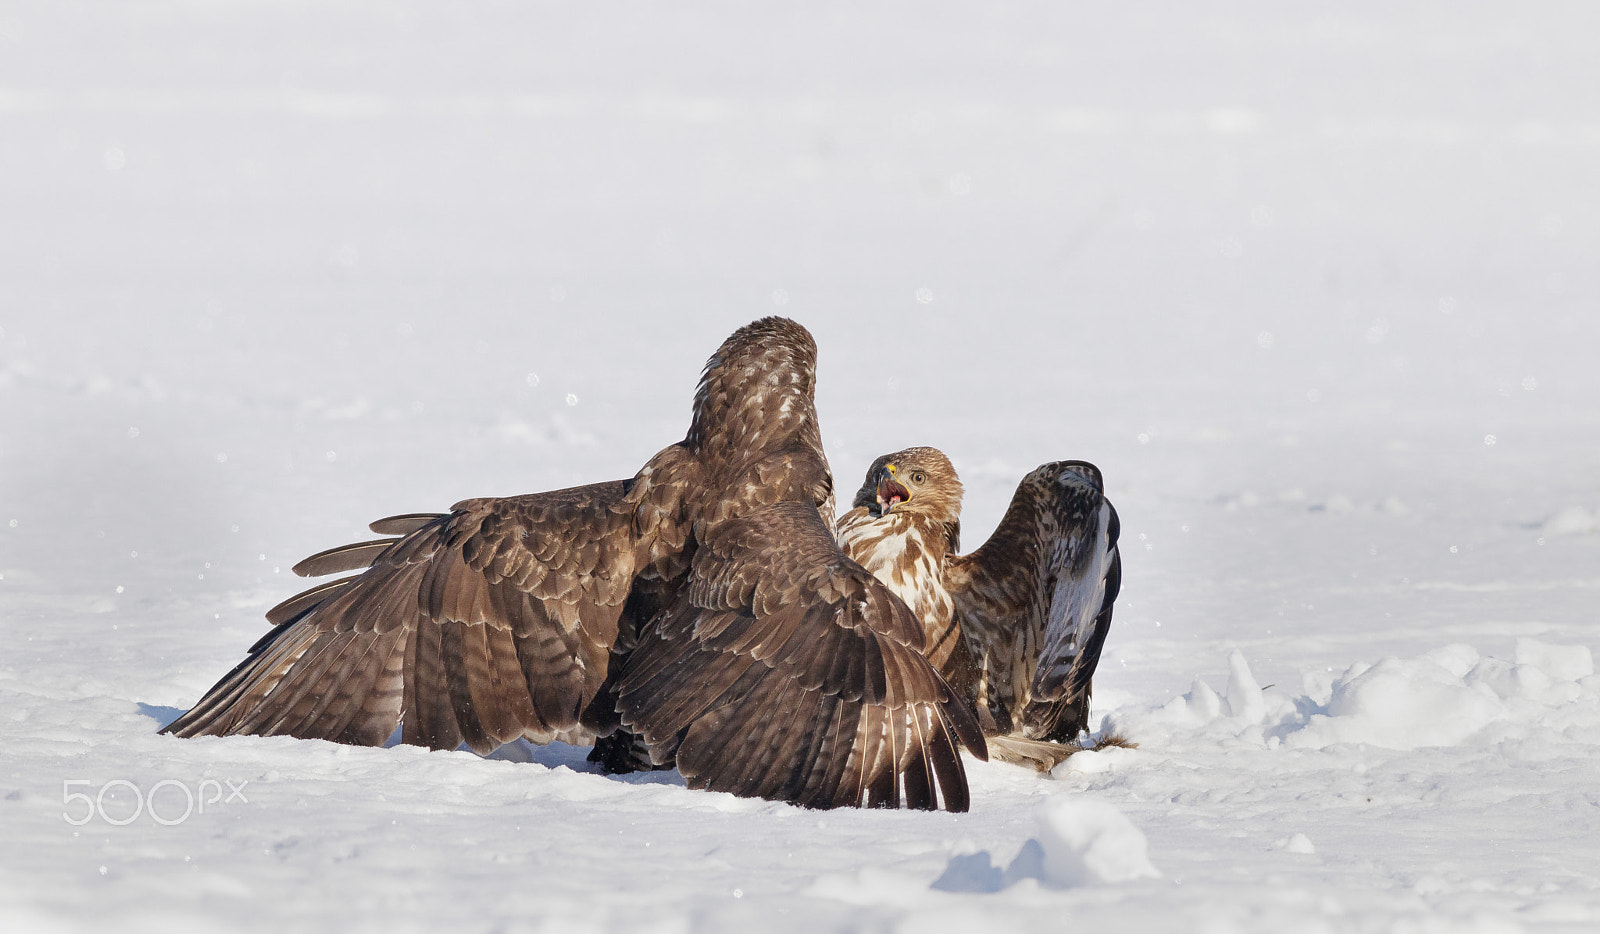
{"points": [[1316, 287]]}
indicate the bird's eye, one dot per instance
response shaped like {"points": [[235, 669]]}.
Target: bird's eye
{"points": [[918, 477]]}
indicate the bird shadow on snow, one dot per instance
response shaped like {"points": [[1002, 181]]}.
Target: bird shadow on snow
{"points": [[551, 756], [575, 758], [161, 715], [976, 872]]}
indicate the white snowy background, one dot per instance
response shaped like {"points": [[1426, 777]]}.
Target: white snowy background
{"points": [[1314, 284]]}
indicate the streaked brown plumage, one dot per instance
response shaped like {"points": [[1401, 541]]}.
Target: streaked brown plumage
{"points": [[1016, 626], [699, 613]]}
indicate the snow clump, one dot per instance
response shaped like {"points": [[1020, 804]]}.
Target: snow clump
{"points": [[1086, 841]]}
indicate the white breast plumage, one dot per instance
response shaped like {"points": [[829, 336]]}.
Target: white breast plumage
{"points": [[897, 552]]}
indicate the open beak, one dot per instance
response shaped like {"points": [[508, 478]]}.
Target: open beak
{"points": [[891, 494]]}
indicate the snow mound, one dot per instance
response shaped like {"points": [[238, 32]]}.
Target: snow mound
{"points": [[1440, 698], [1401, 704], [1086, 841], [1079, 841], [1445, 696]]}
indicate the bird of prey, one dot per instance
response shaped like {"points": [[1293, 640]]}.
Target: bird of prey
{"points": [[1016, 626], [699, 612]]}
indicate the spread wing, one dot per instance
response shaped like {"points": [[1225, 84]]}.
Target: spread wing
{"points": [[784, 670], [482, 625], [1035, 601]]}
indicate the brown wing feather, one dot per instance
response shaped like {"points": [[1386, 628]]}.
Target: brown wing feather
{"points": [[296, 606], [406, 524], [1035, 601], [741, 678], [488, 623], [343, 558]]}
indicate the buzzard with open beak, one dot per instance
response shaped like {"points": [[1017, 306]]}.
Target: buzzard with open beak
{"points": [[891, 492]]}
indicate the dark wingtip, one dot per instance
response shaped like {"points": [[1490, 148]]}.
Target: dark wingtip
{"points": [[966, 728]]}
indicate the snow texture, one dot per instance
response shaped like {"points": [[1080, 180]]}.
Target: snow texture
{"points": [[1314, 287]]}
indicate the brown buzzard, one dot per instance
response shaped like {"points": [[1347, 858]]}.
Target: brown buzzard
{"points": [[1016, 626], [699, 613]]}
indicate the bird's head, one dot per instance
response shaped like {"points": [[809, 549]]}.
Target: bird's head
{"points": [[916, 480]]}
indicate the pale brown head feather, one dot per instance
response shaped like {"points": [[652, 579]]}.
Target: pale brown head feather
{"points": [[924, 474]]}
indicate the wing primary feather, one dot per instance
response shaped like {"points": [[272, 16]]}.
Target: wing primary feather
{"points": [[1061, 719], [375, 714], [875, 686], [1088, 659], [742, 741], [329, 692], [952, 775], [458, 686], [406, 524], [964, 722], [292, 697], [882, 789], [728, 681], [428, 687], [361, 662], [271, 636], [833, 758], [856, 737], [301, 603], [919, 780], [218, 711], [343, 558], [803, 768], [774, 747], [709, 752]]}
